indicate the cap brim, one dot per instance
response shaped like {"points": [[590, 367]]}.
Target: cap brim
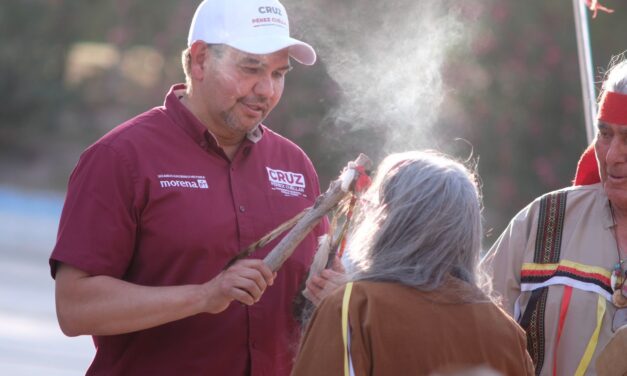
{"points": [[300, 51]]}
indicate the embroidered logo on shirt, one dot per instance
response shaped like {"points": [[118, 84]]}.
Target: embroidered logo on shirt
{"points": [[182, 181], [287, 182]]}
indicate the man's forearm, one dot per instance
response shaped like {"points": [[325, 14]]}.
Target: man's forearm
{"points": [[103, 305]]}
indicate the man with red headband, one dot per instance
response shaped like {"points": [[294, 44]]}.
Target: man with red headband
{"points": [[560, 264]]}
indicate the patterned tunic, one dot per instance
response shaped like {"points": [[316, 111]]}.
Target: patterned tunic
{"points": [[577, 308]]}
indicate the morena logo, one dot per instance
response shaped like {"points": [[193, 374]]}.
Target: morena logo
{"points": [[182, 181], [268, 10], [199, 184]]}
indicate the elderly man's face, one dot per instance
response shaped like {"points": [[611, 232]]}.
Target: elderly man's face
{"points": [[240, 89], [611, 150]]}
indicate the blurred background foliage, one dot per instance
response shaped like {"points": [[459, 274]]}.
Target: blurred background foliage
{"points": [[71, 70]]}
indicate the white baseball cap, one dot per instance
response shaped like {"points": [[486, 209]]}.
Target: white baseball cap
{"points": [[253, 26]]}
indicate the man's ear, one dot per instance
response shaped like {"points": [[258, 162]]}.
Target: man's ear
{"points": [[200, 53]]}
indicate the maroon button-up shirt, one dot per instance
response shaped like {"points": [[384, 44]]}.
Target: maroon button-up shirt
{"points": [[156, 202]]}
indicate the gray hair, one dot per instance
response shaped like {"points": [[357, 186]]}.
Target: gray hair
{"points": [[420, 223], [616, 77]]}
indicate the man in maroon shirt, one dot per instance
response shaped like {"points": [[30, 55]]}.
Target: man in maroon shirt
{"points": [[157, 207]]}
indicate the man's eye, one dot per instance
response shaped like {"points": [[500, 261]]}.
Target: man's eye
{"points": [[250, 70], [279, 74]]}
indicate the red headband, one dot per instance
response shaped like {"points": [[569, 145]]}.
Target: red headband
{"points": [[613, 108]]}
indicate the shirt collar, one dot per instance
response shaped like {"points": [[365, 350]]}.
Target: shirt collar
{"points": [[185, 119]]}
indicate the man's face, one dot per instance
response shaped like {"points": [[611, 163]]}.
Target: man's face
{"points": [[611, 150], [240, 89]]}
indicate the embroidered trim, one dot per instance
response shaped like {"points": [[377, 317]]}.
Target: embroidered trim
{"points": [[537, 275], [533, 323], [550, 227], [547, 251], [565, 281]]}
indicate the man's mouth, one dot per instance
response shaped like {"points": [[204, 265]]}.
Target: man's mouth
{"points": [[255, 109], [616, 178]]}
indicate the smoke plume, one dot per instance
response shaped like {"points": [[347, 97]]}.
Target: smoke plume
{"points": [[386, 57]]}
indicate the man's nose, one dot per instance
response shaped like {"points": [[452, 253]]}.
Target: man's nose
{"points": [[264, 87]]}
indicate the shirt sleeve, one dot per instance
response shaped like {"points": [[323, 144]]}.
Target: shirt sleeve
{"points": [[504, 260], [98, 223]]}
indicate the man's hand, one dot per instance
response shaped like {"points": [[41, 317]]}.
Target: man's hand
{"points": [[245, 281]]}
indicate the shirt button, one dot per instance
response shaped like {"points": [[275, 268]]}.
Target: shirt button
{"points": [[242, 208]]}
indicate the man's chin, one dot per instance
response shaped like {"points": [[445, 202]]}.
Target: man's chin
{"points": [[616, 194], [244, 127]]}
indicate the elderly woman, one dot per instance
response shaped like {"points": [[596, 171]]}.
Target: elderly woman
{"points": [[560, 264], [415, 302]]}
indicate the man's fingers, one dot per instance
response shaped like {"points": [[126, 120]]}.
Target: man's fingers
{"points": [[257, 265], [242, 296], [251, 287], [255, 276], [246, 280], [255, 269]]}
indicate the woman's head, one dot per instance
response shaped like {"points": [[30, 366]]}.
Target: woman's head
{"points": [[420, 222]]}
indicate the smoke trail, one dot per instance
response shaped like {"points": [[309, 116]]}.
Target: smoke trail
{"points": [[386, 56]]}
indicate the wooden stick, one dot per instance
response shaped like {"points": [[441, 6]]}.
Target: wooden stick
{"points": [[266, 238], [324, 203]]}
